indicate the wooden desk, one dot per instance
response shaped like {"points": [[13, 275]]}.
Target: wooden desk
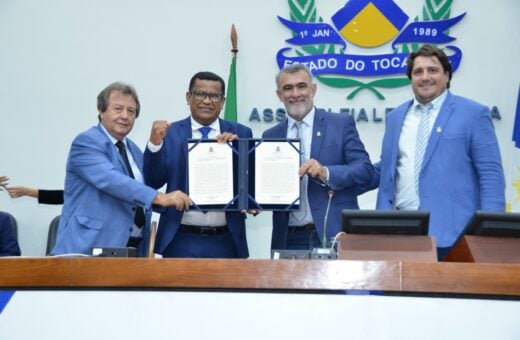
{"points": [[486, 249], [392, 276], [409, 248]]}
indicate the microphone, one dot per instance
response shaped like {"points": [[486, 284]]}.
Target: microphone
{"points": [[325, 253], [330, 193]]}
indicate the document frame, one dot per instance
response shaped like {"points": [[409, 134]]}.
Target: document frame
{"points": [[244, 166], [228, 199]]}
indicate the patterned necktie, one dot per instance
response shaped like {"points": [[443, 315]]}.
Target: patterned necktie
{"points": [[423, 134], [298, 126], [139, 212], [205, 130], [303, 182]]}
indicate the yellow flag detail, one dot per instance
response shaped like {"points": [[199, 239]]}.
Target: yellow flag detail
{"points": [[370, 28]]}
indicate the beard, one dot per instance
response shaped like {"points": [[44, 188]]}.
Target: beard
{"points": [[297, 109]]}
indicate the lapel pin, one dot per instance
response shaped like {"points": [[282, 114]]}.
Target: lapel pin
{"points": [[318, 133], [439, 129]]}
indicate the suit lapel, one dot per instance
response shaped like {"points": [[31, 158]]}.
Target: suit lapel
{"points": [[280, 131], [136, 154], [396, 134], [318, 130], [185, 128], [443, 117], [224, 126], [114, 152], [185, 133]]}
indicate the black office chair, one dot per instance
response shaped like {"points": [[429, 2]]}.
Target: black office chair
{"points": [[53, 232], [14, 224]]}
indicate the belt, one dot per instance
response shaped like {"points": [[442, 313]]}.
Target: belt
{"points": [[306, 227], [203, 231]]}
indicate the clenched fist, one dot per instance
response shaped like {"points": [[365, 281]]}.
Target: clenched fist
{"points": [[159, 130]]}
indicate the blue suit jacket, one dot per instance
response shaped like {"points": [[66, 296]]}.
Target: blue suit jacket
{"points": [[168, 166], [461, 172], [100, 197], [336, 145], [8, 243]]}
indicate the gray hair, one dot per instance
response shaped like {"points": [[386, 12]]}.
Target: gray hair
{"points": [[293, 68], [126, 89]]}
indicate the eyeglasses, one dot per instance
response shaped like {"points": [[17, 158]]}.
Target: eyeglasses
{"points": [[201, 95]]}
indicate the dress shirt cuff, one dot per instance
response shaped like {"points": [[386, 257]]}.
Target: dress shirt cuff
{"points": [[326, 179], [154, 148]]}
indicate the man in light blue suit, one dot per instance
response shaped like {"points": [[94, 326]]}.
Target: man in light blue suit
{"points": [[335, 163], [103, 185], [194, 233], [459, 169]]}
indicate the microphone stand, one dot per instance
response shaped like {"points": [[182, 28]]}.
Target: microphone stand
{"points": [[325, 253], [325, 220]]}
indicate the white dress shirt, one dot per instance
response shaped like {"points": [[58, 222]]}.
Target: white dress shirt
{"points": [[406, 197], [195, 217], [138, 176], [298, 218]]}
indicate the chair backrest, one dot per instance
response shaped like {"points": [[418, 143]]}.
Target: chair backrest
{"points": [[14, 224], [53, 232]]}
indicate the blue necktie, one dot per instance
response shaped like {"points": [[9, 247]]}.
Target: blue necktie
{"points": [[205, 130], [298, 126], [423, 134], [303, 182]]}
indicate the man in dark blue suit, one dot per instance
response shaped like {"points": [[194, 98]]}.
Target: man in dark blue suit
{"points": [[8, 242], [213, 234], [335, 163]]}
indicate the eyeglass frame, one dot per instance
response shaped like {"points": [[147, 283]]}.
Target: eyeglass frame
{"points": [[200, 94]]}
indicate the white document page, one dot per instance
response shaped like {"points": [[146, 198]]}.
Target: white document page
{"points": [[210, 171], [276, 173]]}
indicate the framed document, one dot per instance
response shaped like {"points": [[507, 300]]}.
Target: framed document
{"points": [[276, 184], [249, 173], [211, 173]]}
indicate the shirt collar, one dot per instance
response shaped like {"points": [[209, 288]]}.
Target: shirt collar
{"points": [[436, 103], [308, 119], [112, 139], [214, 126]]}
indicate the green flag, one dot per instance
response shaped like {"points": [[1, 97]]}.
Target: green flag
{"points": [[230, 110]]}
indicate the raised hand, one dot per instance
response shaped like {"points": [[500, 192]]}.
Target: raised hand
{"points": [[159, 130]]}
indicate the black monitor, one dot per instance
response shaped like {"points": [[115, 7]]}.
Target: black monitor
{"points": [[389, 222], [489, 223]]}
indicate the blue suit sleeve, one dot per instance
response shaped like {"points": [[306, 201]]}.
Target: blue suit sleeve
{"points": [[94, 163], [487, 161], [356, 168], [154, 167]]}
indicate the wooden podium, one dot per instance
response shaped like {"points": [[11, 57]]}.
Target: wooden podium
{"points": [[486, 249], [387, 248]]}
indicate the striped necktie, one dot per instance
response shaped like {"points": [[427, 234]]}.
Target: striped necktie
{"points": [[423, 134], [303, 182]]}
